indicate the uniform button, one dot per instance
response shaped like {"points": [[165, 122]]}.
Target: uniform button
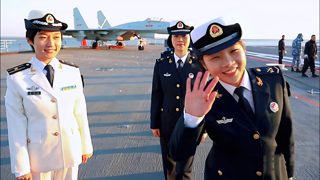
{"points": [[256, 136], [177, 109], [178, 85], [219, 172], [178, 97], [161, 109], [28, 141], [54, 100], [55, 117], [56, 134], [258, 173]]}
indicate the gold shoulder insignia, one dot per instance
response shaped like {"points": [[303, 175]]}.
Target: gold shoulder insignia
{"points": [[68, 63], [269, 70], [18, 68]]}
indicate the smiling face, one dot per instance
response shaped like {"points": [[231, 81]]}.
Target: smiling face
{"points": [[180, 42], [229, 64], [46, 44]]}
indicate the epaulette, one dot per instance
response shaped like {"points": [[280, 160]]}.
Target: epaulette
{"points": [[18, 68], [68, 63], [166, 53], [268, 70]]}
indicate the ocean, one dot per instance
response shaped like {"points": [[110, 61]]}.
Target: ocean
{"points": [[20, 44]]}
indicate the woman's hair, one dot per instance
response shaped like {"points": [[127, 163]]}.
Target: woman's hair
{"points": [[31, 34], [200, 57]]}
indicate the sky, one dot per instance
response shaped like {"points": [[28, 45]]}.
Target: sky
{"points": [[259, 19]]}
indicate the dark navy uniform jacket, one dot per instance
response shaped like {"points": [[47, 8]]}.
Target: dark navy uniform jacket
{"points": [[168, 91], [242, 150]]}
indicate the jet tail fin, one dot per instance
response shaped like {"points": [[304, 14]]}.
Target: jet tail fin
{"points": [[79, 22], [103, 22]]}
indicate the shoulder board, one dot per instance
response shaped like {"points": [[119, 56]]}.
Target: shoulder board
{"points": [[268, 70], [18, 68], [166, 53], [68, 63]]}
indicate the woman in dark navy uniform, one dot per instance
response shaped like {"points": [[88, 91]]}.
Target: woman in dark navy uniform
{"points": [[245, 112], [168, 91]]}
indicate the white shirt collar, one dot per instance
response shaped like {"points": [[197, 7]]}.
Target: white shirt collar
{"points": [[176, 58], [244, 83], [41, 64]]}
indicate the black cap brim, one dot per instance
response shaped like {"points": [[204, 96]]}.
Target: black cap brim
{"points": [[30, 26]]}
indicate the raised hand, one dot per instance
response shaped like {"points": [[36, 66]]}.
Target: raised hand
{"points": [[25, 177], [198, 101]]}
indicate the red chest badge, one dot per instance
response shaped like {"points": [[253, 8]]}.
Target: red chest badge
{"points": [[274, 107]]}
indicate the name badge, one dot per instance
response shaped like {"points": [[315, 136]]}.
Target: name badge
{"points": [[34, 93]]}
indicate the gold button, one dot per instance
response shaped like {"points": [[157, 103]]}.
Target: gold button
{"points": [[256, 136], [54, 100], [161, 109], [258, 173], [56, 134], [219, 172], [178, 85], [28, 141], [55, 117], [177, 109], [259, 70], [178, 97]]}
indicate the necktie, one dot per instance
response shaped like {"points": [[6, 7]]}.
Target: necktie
{"points": [[179, 65], [49, 75], [244, 103]]}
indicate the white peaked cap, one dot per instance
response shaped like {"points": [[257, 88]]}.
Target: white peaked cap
{"points": [[200, 31], [35, 14]]}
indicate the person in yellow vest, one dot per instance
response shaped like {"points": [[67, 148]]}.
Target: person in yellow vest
{"points": [[46, 112]]}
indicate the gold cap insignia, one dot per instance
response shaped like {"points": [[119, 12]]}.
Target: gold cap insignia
{"points": [[179, 25], [32, 69], [49, 19], [215, 31]]}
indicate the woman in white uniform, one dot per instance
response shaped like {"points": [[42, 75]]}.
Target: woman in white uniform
{"points": [[46, 112]]}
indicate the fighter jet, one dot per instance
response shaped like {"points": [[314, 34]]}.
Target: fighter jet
{"points": [[124, 32]]}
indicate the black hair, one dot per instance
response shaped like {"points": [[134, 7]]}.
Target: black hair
{"points": [[313, 35], [31, 34]]}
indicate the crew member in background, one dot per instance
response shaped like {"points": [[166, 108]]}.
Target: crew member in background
{"points": [[310, 55], [296, 52], [281, 49]]}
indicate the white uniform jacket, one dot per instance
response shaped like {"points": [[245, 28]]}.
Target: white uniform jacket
{"points": [[47, 126]]}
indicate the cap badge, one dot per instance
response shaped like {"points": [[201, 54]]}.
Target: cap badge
{"points": [[179, 25], [32, 69], [49, 19], [274, 107], [215, 31], [191, 75]]}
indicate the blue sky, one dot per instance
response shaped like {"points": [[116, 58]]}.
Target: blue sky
{"points": [[259, 19]]}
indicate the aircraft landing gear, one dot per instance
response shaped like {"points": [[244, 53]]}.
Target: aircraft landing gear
{"points": [[141, 48]]}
